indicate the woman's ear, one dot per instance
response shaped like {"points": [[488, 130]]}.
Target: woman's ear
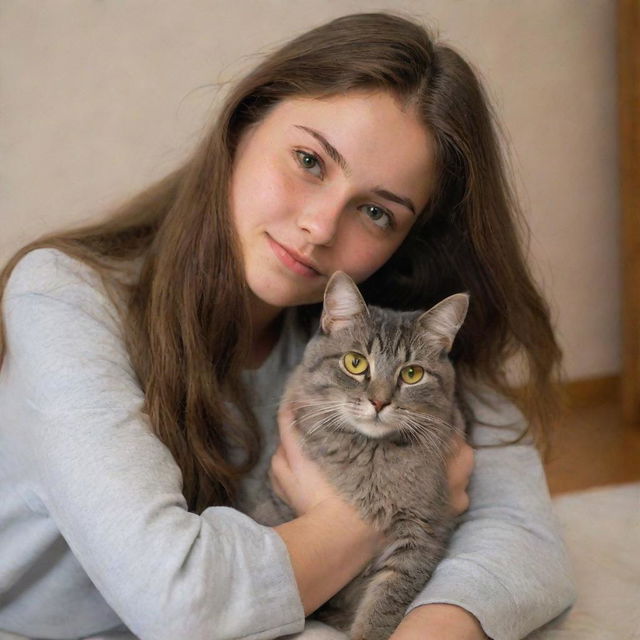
{"points": [[343, 304]]}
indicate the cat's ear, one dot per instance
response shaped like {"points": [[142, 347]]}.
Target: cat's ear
{"points": [[443, 321], [343, 303]]}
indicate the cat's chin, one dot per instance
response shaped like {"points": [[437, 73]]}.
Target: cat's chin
{"points": [[373, 429]]}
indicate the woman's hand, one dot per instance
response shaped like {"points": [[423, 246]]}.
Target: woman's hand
{"points": [[294, 478], [439, 622], [459, 470], [328, 543]]}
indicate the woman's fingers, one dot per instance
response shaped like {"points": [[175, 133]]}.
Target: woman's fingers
{"points": [[296, 479], [278, 469], [289, 442], [459, 471]]}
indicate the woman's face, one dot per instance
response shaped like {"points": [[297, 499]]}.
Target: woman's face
{"points": [[321, 185]]}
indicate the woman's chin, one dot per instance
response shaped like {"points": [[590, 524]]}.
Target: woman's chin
{"points": [[281, 291]]}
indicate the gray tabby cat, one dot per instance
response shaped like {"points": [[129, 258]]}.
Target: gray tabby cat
{"points": [[374, 400]]}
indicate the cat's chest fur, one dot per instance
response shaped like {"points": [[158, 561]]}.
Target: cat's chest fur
{"points": [[382, 479]]}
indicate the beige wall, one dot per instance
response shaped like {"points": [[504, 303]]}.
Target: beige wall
{"points": [[99, 97]]}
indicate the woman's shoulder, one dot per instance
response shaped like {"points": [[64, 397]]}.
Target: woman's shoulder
{"points": [[52, 276], [58, 317], [495, 418], [46, 270]]}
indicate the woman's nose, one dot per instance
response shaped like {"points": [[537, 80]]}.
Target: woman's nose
{"points": [[320, 220]]}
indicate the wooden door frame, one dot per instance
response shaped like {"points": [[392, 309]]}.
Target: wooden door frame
{"points": [[629, 131]]}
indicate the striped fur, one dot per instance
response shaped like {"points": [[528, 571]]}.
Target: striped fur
{"points": [[382, 443]]}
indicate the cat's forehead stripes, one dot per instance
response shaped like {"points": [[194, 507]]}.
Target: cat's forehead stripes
{"points": [[370, 342], [392, 342], [329, 356], [401, 346]]}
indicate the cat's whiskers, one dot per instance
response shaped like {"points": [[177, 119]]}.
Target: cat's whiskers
{"points": [[305, 410], [427, 435], [294, 404], [312, 402], [429, 416], [330, 424], [321, 411], [428, 422], [428, 438], [328, 409], [315, 408], [415, 429], [411, 435], [424, 421], [324, 423]]}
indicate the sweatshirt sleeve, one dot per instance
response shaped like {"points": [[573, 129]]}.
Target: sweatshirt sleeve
{"points": [[506, 563], [109, 484]]}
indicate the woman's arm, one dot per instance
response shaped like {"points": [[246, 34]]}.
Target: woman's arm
{"points": [[113, 492], [439, 622], [328, 543], [506, 565], [103, 523], [328, 547]]}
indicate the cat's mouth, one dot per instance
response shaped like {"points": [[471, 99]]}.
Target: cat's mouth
{"points": [[372, 426]]}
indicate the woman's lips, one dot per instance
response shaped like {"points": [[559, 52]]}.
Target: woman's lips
{"points": [[290, 262]]}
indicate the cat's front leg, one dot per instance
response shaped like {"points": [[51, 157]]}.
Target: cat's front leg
{"points": [[389, 593]]}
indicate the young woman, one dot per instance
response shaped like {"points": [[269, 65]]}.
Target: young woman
{"points": [[130, 350]]}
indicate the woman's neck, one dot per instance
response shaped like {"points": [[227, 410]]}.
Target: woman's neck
{"points": [[266, 323]]}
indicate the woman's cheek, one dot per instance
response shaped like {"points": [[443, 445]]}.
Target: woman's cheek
{"points": [[280, 195], [362, 255]]}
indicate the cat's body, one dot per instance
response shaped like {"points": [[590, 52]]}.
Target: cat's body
{"points": [[374, 400]]}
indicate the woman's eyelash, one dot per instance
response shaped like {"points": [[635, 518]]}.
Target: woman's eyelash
{"points": [[380, 216], [309, 162]]}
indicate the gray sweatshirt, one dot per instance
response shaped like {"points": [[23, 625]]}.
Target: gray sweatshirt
{"points": [[94, 529]]}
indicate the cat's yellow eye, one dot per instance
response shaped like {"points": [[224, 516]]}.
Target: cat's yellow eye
{"points": [[355, 363], [412, 374]]}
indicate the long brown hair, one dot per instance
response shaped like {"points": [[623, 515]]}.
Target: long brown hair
{"points": [[180, 317]]}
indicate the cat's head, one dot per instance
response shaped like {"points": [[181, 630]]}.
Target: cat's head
{"points": [[380, 372]]}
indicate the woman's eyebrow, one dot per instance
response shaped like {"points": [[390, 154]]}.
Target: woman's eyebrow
{"points": [[338, 158], [388, 195], [332, 152]]}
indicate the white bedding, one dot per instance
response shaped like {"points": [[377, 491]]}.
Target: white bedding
{"points": [[602, 530]]}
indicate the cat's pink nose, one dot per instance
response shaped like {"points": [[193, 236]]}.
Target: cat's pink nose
{"points": [[378, 404]]}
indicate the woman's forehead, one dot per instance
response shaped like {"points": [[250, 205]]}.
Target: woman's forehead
{"points": [[375, 135]]}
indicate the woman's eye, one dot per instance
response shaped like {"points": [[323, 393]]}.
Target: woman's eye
{"points": [[355, 363], [412, 374], [379, 216], [310, 162]]}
